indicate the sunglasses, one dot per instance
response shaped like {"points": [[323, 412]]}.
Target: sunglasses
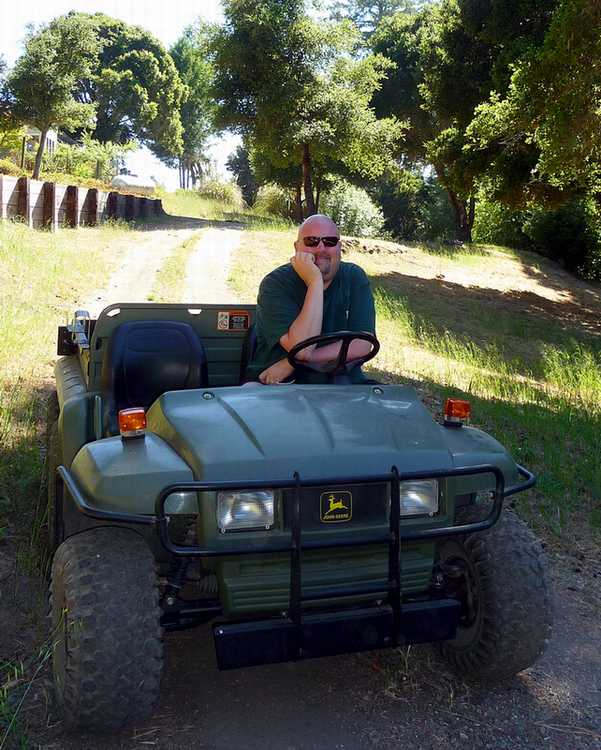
{"points": [[314, 241]]}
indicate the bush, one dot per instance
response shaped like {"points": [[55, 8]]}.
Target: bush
{"points": [[222, 191], [414, 207], [352, 209], [274, 201], [570, 234], [498, 224], [88, 160], [9, 167]]}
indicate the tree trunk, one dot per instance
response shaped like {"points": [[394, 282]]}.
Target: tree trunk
{"points": [[464, 216], [298, 205], [317, 193], [38, 157], [307, 181]]}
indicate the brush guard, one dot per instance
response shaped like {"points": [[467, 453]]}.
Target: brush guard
{"points": [[299, 634]]}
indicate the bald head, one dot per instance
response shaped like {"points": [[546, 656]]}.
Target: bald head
{"points": [[318, 225]]}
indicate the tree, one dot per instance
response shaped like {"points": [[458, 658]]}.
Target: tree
{"points": [[551, 112], [239, 164], [197, 108], [44, 77], [11, 132], [368, 14], [292, 89], [134, 86], [448, 61]]}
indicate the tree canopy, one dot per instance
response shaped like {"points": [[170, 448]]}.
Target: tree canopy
{"points": [[44, 78], [190, 54], [367, 15], [293, 89], [542, 135], [134, 86], [450, 59]]}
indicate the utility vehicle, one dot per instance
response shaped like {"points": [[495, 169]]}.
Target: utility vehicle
{"points": [[303, 520]]}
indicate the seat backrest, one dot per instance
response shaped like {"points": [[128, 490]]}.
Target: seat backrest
{"points": [[146, 358], [248, 349]]}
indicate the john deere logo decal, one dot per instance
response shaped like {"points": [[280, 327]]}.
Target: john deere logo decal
{"points": [[336, 507]]}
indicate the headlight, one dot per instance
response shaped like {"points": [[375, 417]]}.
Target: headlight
{"points": [[237, 511], [419, 498]]}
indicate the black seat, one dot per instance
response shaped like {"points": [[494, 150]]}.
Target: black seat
{"points": [[143, 360]]}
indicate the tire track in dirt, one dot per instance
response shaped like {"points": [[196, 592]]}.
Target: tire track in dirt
{"points": [[209, 265], [133, 279]]}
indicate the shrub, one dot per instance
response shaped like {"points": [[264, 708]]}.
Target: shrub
{"points": [[498, 224], [274, 201], [222, 191], [90, 159], [352, 209], [9, 167], [414, 207], [570, 234]]}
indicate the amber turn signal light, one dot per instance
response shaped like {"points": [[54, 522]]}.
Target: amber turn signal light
{"points": [[456, 412], [132, 422]]}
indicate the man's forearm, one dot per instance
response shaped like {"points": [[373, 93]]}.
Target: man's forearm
{"points": [[309, 320], [329, 353]]}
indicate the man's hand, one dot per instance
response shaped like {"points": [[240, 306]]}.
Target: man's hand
{"points": [[276, 373], [304, 265]]}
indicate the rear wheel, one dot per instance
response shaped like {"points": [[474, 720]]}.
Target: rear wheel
{"points": [[107, 648], [506, 598]]}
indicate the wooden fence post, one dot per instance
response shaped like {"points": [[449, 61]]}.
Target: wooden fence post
{"points": [[23, 208], [50, 206], [72, 207]]}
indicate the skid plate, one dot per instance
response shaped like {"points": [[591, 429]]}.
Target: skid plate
{"points": [[248, 644]]}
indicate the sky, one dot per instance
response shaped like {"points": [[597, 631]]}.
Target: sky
{"points": [[166, 19]]}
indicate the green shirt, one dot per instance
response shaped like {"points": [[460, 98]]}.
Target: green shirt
{"points": [[348, 305]]}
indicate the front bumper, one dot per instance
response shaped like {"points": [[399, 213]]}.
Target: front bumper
{"points": [[248, 644], [301, 634]]}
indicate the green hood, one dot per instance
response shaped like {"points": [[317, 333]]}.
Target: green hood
{"points": [[270, 432]]}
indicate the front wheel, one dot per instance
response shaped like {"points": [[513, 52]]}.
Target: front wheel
{"points": [[506, 599], [106, 636]]}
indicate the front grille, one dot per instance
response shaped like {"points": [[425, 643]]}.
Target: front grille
{"points": [[352, 506]]}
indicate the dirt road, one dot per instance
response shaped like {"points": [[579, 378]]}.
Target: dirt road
{"points": [[384, 699], [209, 266], [393, 699]]}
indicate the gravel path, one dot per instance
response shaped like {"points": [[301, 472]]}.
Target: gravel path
{"points": [[209, 266], [134, 279]]}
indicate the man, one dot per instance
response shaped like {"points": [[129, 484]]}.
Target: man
{"points": [[316, 293]]}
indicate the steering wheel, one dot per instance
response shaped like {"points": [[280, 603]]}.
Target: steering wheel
{"points": [[339, 365]]}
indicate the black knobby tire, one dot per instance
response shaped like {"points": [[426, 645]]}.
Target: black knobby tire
{"points": [[107, 646], [53, 460], [509, 623]]}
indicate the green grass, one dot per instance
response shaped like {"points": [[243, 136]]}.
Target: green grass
{"points": [[45, 277], [529, 366], [170, 281], [190, 203]]}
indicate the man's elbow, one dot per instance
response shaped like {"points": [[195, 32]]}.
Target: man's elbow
{"points": [[286, 343]]}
